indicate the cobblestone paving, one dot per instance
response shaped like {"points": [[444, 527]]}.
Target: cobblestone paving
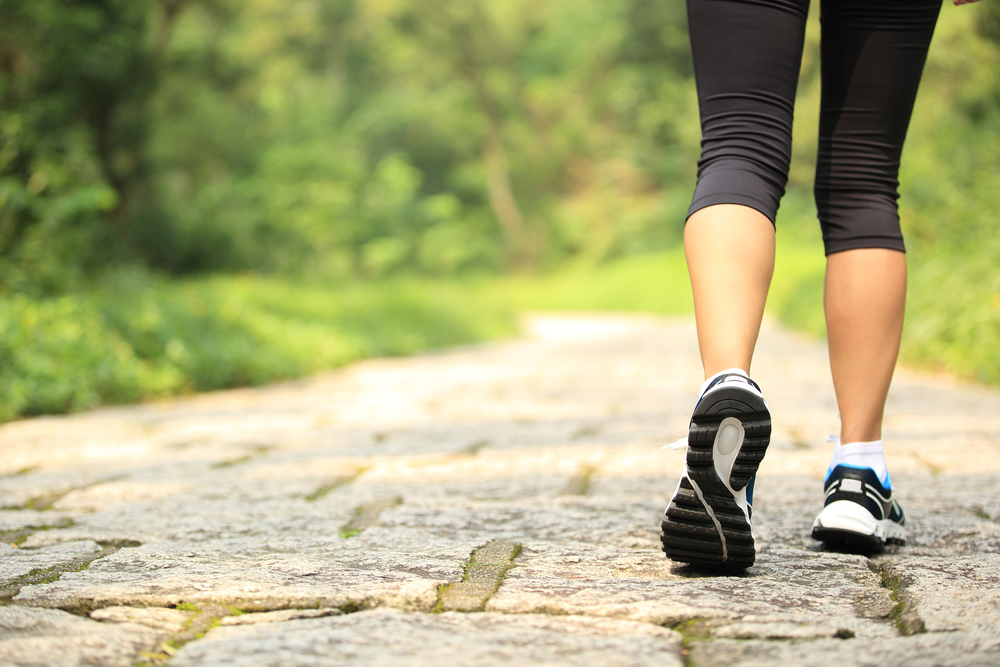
{"points": [[482, 506]]}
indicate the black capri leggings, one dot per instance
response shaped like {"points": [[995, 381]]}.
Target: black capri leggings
{"points": [[747, 55]]}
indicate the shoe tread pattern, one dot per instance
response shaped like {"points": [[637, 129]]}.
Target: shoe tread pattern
{"points": [[687, 531], [689, 535], [752, 412]]}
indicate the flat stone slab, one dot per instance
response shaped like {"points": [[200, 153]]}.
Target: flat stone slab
{"points": [[16, 563], [158, 618], [388, 638], [836, 592], [958, 649], [951, 593], [249, 576], [51, 638], [337, 515]]}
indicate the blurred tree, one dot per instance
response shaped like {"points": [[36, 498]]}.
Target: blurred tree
{"points": [[465, 38], [989, 21], [76, 79], [344, 138]]}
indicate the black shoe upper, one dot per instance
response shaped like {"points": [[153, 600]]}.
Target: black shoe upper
{"points": [[862, 486]]}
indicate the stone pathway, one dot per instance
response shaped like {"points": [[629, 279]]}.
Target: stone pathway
{"points": [[483, 506]]}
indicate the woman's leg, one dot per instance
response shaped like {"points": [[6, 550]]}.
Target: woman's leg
{"points": [[746, 61], [873, 53], [864, 299], [864, 326], [730, 257]]}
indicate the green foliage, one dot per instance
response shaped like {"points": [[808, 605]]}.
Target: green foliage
{"points": [[653, 282], [74, 81], [338, 138], [58, 355], [141, 337], [953, 314]]}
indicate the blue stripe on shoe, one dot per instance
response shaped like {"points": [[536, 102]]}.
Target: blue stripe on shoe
{"points": [[886, 484], [862, 486]]}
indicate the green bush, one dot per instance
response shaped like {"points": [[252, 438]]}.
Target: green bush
{"points": [[59, 355], [953, 313], [136, 337]]}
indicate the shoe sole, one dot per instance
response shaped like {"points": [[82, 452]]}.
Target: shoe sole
{"points": [[851, 528], [703, 524], [847, 541]]}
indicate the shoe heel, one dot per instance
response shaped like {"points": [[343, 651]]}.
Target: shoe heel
{"points": [[704, 524]]}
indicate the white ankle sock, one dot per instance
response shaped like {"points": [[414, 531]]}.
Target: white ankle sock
{"points": [[728, 371], [862, 455]]}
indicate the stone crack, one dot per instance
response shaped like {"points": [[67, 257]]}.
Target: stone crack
{"points": [[579, 484], [333, 484], [367, 515], [904, 613], [202, 620], [483, 576], [10, 588]]}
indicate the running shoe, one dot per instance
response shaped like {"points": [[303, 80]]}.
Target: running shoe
{"points": [[860, 514], [707, 523]]}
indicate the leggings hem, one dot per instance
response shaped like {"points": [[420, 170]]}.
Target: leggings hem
{"points": [[858, 243], [739, 199]]}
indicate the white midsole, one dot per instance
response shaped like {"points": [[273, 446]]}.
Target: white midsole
{"points": [[849, 516]]}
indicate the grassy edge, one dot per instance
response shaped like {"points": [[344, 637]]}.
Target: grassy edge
{"points": [[137, 337]]}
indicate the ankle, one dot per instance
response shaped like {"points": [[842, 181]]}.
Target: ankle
{"points": [[728, 371], [870, 454]]}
